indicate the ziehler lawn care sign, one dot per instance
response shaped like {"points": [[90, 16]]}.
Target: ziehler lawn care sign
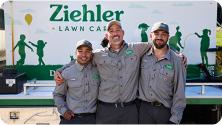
{"points": [[41, 35]]}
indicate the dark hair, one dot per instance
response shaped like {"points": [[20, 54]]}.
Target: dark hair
{"points": [[104, 42]]}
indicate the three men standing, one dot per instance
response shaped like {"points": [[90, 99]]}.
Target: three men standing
{"points": [[119, 68]]}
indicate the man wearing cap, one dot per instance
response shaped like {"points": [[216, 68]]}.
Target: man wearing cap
{"points": [[118, 66], [162, 81], [76, 99]]}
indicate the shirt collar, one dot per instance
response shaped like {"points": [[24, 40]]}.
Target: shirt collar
{"points": [[167, 55], [122, 46], [81, 67]]}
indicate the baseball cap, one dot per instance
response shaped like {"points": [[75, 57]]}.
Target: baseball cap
{"points": [[113, 22], [160, 26], [83, 43]]}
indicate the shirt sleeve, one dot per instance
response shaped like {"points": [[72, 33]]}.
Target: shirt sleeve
{"points": [[65, 66], [179, 100], [141, 48], [59, 96]]}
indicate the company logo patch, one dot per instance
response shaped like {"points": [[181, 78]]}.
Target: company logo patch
{"points": [[96, 76], [129, 52], [169, 66]]}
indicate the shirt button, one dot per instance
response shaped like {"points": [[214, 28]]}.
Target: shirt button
{"points": [[120, 77], [150, 86]]}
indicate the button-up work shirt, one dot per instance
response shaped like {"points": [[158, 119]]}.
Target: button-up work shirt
{"points": [[164, 81], [80, 91], [119, 72]]}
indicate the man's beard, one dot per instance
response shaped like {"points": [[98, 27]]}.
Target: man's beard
{"points": [[117, 41], [159, 46]]}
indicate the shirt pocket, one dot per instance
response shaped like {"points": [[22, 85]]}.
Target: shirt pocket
{"points": [[131, 63], [146, 64], [106, 67], [166, 75], [104, 61], [146, 70], [75, 89], [95, 80], [74, 83]]}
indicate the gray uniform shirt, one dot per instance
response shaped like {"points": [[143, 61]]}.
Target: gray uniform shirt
{"points": [[80, 91], [164, 81], [119, 72]]}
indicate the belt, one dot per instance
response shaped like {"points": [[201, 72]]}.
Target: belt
{"points": [[79, 115], [83, 114], [155, 103], [119, 104]]}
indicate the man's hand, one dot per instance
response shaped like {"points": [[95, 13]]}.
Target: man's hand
{"points": [[184, 59], [58, 78], [68, 115]]}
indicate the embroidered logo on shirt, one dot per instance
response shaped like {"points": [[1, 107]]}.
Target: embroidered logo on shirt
{"points": [[129, 52], [95, 76], [169, 66]]}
